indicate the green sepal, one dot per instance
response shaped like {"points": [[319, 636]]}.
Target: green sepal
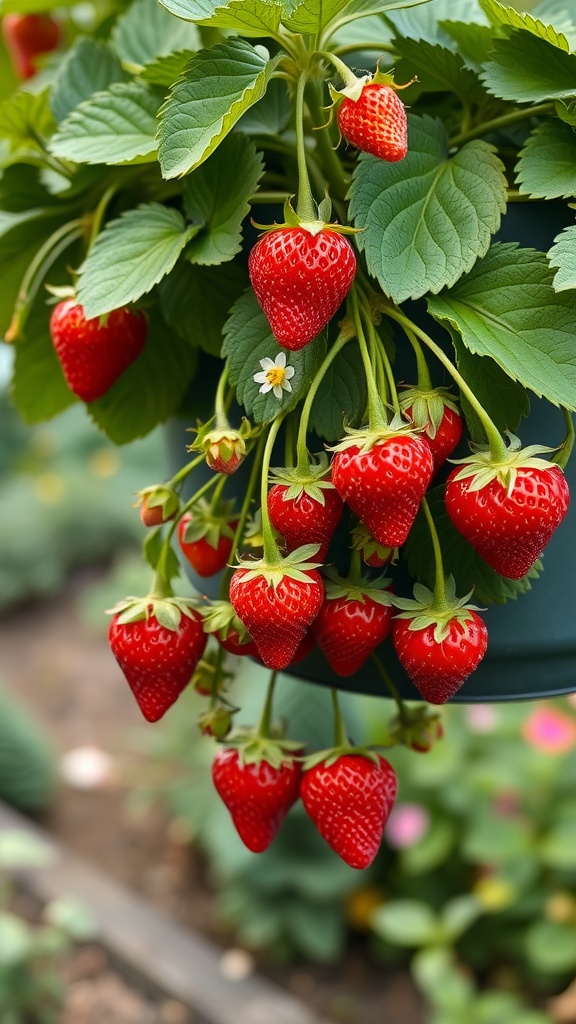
{"points": [[220, 617], [367, 545], [357, 588], [252, 749], [313, 483], [313, 227], [365, 439], [295, 565], [332, 754], [427, 407], [210, 523], [163, 496], [423, 611], [168, 611], [481, 469], [227, 441]]}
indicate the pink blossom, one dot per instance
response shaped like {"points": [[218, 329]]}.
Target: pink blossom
{"points": [[481, 717], [549, 730], [407, 824]]}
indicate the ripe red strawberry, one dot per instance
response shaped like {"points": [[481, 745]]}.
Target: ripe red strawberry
{"points": [[435, 413], [385, 484], [300, 280], [94, 353], [508, 511], [277, 604], [258, 794], [305, 510], [354, 620], [157, 644], [438, 668], [349, 800], [375, 122], [27, 36], [206, 536]]}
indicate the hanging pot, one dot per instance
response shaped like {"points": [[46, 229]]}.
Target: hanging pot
{"points": [[532, 640]]}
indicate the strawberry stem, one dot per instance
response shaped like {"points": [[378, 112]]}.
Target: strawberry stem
{"points": [[498, 450], [346, 74], [377, 417], [402, 709], [272, 555], [306, 207], [485, 127], [331, 165], [263, 730], [98, 215], [183, 473], [219, 401], [382, 356], [565, 451], [440, 603], [248, 492], [301, 447], [424, 381], [340, 734]]}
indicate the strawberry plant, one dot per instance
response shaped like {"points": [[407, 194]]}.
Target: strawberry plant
{"points": [[290, 223]]}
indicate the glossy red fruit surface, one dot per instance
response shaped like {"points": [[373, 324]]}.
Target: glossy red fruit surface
{"points": [[205, 559], [349, 631], [276, 618], [349, 802], [300, 280], [438, 669], [156, 661], [385, 485], [304, 520], [258, 795], [376, 122], [94, 353], [27, 36], [509, 529]]}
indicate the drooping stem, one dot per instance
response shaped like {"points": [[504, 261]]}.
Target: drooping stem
{"points": [[248, 493], [485, 127], [301, 447], [272, 555], [392, 690], [45, 258], [161, 584], [439, 587], [305, 207], [424, 381], [99, 212], [497, 447], [181, 475], [340, 733], [219, 403], [377, 419], [219, 658], [330, 161], [215, 500], [361, 45], [382, 357], [346, 74], [565, 451], [263, 730]]}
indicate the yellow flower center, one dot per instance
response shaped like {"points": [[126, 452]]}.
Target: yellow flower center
{"points": [[275, 375]]}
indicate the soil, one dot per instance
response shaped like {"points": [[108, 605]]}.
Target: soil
{"points": [[62, 671]]}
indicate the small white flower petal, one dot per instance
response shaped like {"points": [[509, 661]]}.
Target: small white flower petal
{"points": [[265, 388], [281, 359], [278, 392], [260, 378], [286, 385], [290, 371], [267, 364]]}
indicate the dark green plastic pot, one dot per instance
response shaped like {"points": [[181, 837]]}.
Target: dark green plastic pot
{"points": [[532, 641]]}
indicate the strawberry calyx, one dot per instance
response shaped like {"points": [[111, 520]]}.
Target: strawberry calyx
{"points": [[482, 468], [216, 721], [210, 678], [331, 755], [167, 611], [253, 748], [210, 523], [221, 618], [365, 438], [357, 588], [312, 224], [416, 728], [160, 498], [372, 553], [427, 407], [427, 609], [311, 480], [224, 446], [295, 565]]}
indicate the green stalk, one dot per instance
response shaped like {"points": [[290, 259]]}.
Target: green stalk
{"points": [[272, 556], [377, 419], [263, 730], [337, 178], [501, 122], [424, 381], [364, 44], [249, 491], [306, 207], [402, 711], [99, 212], [183, 473], [346, 74], [301, 447], [563, 455], [382, 356], [498, 449], [440, 604], [44, 259], [219, 403], [340, 734]]}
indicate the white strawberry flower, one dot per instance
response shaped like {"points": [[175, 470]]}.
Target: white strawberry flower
{"points": [[275, 376]]}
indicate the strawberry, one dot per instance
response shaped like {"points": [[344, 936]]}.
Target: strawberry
{"points": [[225, 447], [258, 793], [305, 508], [301, 276], [221, 620], [26, 37], [371, 552], [375, 122], [206, 535], [277, 603], [439, 644], [383, 477], [417, 729], [508, 509], [159, 504], [94, 353], [354, 620], [435, 413], [158, 644], [349, 798]]}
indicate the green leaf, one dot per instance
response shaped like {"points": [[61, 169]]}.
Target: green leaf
{"points": [[165, 70], [566, 111], [159, 377], [249, 17], [112, 127], [432, 850], [26, 124], [210, 292], [500, 14], [461, 561], [153, 547], [248, 339], [563, 255], [547, 165], [443, 983], [312, 16], [271, 115], [427, 218], [473, 41], [424, 21], [88, 67], [406, 922], [439, 69], [342, 394], [216, 196], [527, 69], [147, 31], [505, 400], [551, 947], [130, 256], [16, 940], [458, 914], [557, 848], [507, 308], [494, 840], [218, 85], [38, 390]]}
